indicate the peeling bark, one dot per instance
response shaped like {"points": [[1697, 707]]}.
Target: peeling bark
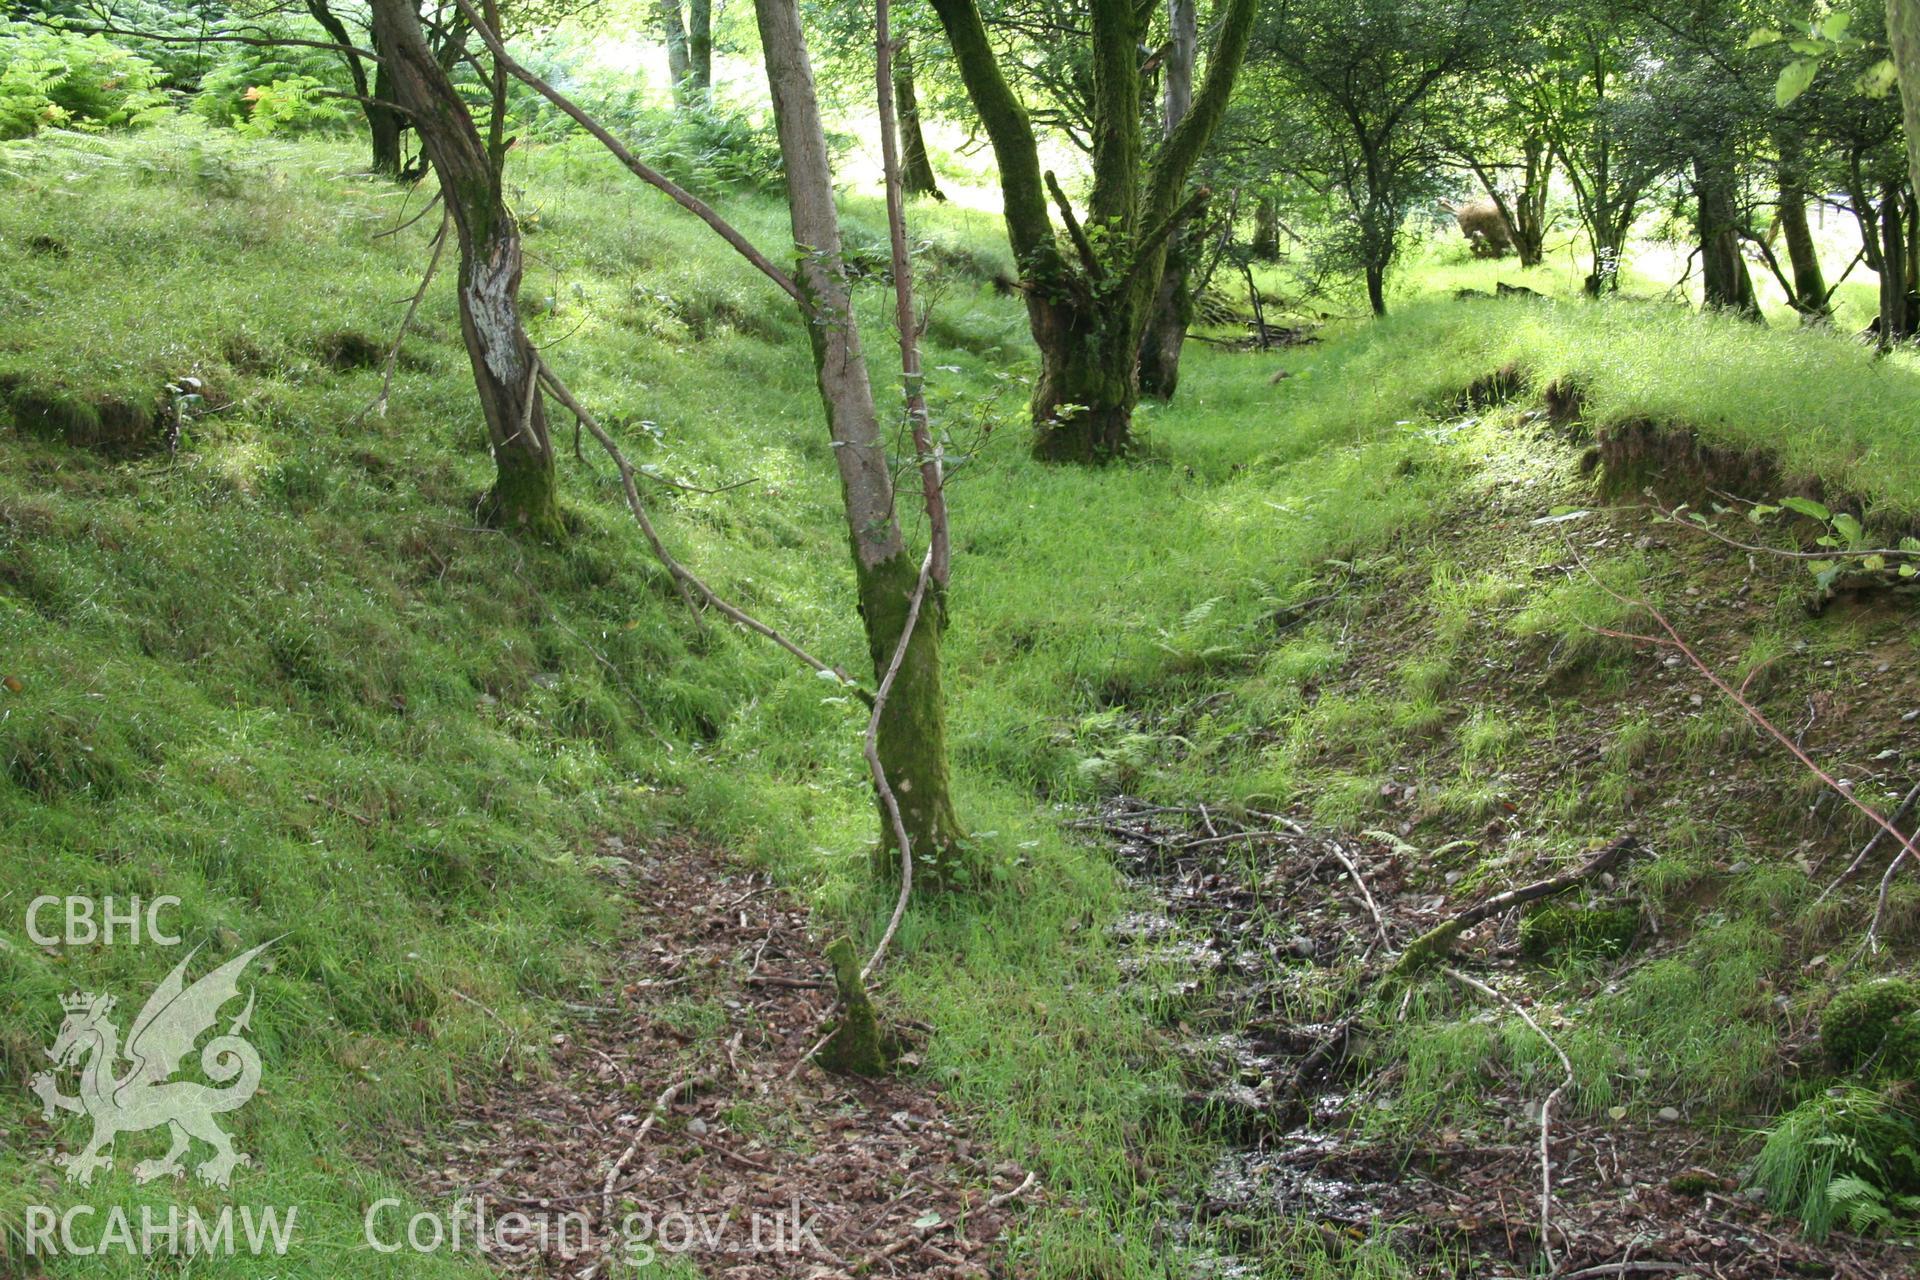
{"points": [[523, 497]]}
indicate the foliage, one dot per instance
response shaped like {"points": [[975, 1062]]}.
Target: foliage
{"points": [[58, 80], [1850, 1156], [290, 77]]}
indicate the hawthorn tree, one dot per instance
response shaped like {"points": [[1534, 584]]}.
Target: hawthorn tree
{"points": [[468, 166], [1088, 304]]}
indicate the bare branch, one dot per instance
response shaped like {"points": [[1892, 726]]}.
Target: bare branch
{"points": [[680, 196]]}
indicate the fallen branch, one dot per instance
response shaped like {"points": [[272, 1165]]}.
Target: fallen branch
{"points": [[1899, 816], [1546, 1107], [1437, 943], [1373, 908], [1006, 1196], [660, 1105]]}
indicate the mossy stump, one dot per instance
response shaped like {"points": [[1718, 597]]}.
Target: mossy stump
{"points": [[1874, 1023], [858, 1045]]}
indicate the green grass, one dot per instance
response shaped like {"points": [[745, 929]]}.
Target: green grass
{"points": [[286, 679]]}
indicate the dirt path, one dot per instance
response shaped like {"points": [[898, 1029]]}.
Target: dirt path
{"points": [[746, 1174]]}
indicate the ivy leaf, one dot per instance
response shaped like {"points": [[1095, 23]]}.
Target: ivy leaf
{"points": [[1795, 78]]}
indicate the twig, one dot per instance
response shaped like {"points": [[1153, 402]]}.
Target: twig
{"points": [[684, 578], [660, 1105], [1674, 640], [685, 199], [1782, 552], [1546, 1107], [1373, 908], [1627, 1268], [1899, 816], [379, 403], [1014, 1194]]}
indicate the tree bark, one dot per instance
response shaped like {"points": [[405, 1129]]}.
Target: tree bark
{"points": [[523, 498], [1088, 320], [384, 124], [1803, 254], [1903, 34], [700, 44], [1377, 288], [916, 168], [1896, 320], [1727, 286], [679, 56], [1173, 302], [912, 736], [1266, 229]]}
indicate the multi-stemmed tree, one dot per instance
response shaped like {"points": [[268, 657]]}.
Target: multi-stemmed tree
{"points": [[1089, 300]]}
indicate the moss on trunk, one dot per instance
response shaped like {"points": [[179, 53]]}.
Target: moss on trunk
{"points": [[858, 1044], [524, 499], [913, 731]]}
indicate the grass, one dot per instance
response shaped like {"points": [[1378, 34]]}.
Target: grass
{"points": [[286, 679]]}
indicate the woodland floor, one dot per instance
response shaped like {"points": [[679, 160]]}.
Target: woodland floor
{"points": [[721, 978]]}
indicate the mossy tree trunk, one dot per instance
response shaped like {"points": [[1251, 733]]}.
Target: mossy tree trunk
{"points": [[700, 46], [1266, 229], [1726, 282], [1172, 307], [916, 167], [1803, 254], [1088, 311], [1903, 34], [912, 730], [523, 497], [673, 31]]}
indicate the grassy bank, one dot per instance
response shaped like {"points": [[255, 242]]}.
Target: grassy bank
{"points": [[285, 678]]}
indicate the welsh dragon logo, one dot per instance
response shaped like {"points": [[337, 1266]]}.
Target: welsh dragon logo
{"points": [[145, 1096]]}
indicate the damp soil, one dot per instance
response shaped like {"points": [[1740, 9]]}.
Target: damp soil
{"points": [[1270, 954]]}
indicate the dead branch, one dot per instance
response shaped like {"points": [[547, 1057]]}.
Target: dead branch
{"points": [[1014, 1194], [1373, 908], [1437, 943], [378, 405], [1899, 816], [1674, 640], [685, 1085], [685, 581], [1546, 1107], [653, 178]]}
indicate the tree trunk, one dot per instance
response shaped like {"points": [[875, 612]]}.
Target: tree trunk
{"points": [[1266, 229], [523, 498], [384, 124], [916, 169], [1088, 319], [1809, 283], [700, 44], [1172, 308], [1377, 289], [1895, 321], [1903, 34], [1726, 282], [912, 736], [386, 127], [679, 57]]}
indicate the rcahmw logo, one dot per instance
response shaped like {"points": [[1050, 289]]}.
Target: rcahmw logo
{"points": [[129, 1087]]}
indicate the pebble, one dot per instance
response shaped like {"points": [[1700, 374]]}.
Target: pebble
{"points": [[1669, 1114], [697, 1127]]}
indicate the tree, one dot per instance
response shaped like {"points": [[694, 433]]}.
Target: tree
{"points": [[902, 607], [1088, 312], [523, 497], [1166, 328], [916, 166], [1366, 83]]}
